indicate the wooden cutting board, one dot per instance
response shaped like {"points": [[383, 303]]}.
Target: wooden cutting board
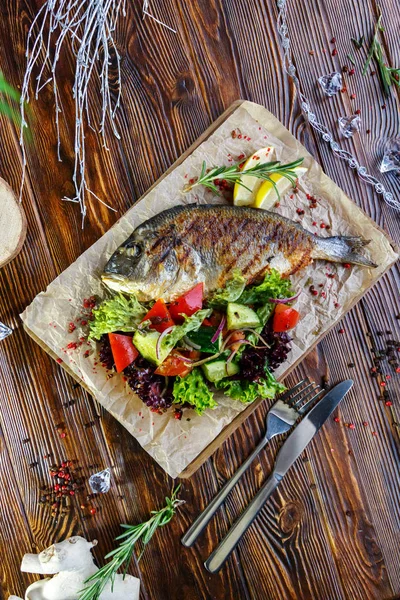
{"points": [[241, 417]]}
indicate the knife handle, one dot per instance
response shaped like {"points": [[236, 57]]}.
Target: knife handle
{"points": [[204, 518], [232, 538]]}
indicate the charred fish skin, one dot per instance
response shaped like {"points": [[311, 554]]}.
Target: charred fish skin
{"points": [[188, 244]]}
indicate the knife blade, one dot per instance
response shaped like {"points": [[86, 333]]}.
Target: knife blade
{"points": [[287, 455], [308, 427]]}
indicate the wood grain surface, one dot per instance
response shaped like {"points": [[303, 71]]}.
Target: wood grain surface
{"points": [[332, 530]]}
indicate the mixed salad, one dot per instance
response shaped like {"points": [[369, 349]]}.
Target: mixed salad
{"points": [[177, 355]]}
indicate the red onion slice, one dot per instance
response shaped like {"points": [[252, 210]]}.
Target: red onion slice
{"points": [[226, 341], [184, 358], [284, 300], [219, 329], [230, 358], [160, 339], [245, 342]]}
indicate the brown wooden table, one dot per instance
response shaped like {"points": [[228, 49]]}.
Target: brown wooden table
{"points": [[332, 529]]}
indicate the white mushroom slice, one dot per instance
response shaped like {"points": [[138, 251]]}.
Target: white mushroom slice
{"points": [[71, 563], [124, 589], [72, 554]]}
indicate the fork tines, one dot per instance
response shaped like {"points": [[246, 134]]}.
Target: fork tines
{"points": [[303, 395]]}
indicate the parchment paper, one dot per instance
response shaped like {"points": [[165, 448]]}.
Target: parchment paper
{"points": [[172, 443]]}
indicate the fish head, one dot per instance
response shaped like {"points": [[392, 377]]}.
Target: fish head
{"points": [[144, 265]]}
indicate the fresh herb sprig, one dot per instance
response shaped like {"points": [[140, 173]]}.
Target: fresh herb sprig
{"points": [[234, 174], [358, 42], [121, 556], [388, 75], [9, 100]]}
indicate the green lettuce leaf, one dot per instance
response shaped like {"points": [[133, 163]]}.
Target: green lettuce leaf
{"points": [[116, 314], [273, 286], [248, 391], [230, 293], [192, 323], [194, 390]]}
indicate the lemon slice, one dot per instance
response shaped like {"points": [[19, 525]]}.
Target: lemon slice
{"points": [[266, 195], [241, 195]]}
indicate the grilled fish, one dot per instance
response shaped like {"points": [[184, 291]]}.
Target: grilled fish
{"points": [[185, 245]]}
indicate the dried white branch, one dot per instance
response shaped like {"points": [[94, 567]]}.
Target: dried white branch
{"points": [[87, 27]]}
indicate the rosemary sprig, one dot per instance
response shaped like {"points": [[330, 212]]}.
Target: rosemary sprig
{"points": [[351, 59], [388, 75], [121, 556], [358, 42], [234, 174]]}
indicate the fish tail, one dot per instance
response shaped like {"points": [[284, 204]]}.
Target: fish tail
{"points": [[342, 249]]}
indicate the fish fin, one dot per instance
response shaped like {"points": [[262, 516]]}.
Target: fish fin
{"points": [[342, 249]]}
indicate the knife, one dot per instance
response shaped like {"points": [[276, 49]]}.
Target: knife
{"points": [[287, 455]]}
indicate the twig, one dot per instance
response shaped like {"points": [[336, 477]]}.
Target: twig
{"points": [[89, 26], [145, 11]]}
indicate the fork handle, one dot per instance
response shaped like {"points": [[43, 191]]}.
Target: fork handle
{"points": [[204, 518], [232, 538]]}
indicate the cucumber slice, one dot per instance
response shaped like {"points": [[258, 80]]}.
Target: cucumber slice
{"points": [[218, 369], [203, 338], [239, 316], [146, 344]]}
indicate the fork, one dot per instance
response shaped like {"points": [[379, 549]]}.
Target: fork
{"points": [[280, 418]]}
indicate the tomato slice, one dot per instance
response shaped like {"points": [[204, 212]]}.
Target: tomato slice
{"points": [[173, 365], [285, 318], [159, 316], [187, 304], [123, 350]]}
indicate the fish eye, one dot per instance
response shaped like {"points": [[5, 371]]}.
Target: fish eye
{"points": [[132, 250]]}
